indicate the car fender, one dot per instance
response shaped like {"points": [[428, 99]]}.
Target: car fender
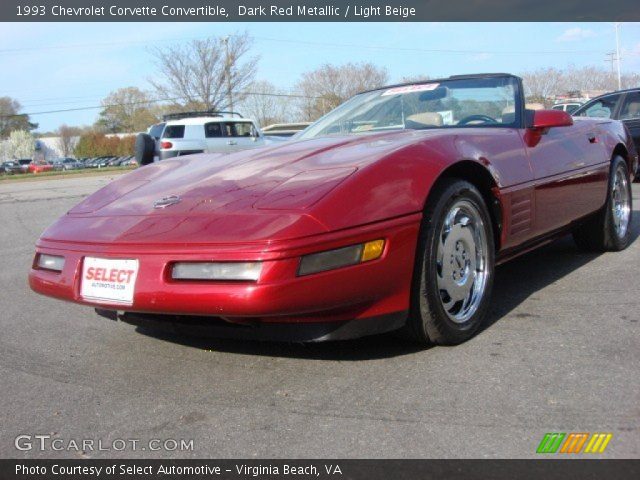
{"points": [[400, 183]]}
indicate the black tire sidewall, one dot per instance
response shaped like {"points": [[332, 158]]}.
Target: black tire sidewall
{"points": [[438, 327], [144, 149]]}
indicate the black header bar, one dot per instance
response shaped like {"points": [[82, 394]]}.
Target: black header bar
{"points": [[543, 469], [318, 10]]}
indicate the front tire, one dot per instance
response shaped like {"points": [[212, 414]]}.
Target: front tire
{"points": [[453, 276], [609, 229]]}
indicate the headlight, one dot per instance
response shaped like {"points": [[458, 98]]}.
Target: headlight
{"points": [[239, 271], [50, 262], [341, 257]]}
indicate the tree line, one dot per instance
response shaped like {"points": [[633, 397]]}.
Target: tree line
{"points": [[219, 73]]}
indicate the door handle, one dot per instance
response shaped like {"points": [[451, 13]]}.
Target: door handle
{"points": [[231, 142]]}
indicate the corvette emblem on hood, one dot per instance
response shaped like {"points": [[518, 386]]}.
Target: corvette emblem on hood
{"points": [[166, 201]]}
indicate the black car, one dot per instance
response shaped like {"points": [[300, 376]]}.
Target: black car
{"points": [[623, 105], [11, 168]]}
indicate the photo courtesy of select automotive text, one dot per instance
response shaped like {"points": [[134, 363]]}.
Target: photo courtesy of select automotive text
{"points": [[319, 239]]}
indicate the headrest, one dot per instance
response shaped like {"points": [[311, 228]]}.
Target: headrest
{"points": [[426, 118], [633, 108], [528, 106]]}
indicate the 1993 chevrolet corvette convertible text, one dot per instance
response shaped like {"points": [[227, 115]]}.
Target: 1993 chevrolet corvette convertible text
{"points": [[388, 213]]}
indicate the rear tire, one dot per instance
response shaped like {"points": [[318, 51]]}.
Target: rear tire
{"points": [[453, 275], [609, 229]]}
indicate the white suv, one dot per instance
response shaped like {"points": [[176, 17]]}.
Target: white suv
{"points": [[198, 132]]}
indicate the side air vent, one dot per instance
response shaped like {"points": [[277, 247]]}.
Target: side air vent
{"points": [[520, 214]]}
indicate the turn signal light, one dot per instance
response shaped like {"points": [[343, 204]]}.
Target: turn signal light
{"points": [[341, 257]]}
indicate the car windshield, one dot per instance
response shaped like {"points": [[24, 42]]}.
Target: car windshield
{"points": [[467, 102]]}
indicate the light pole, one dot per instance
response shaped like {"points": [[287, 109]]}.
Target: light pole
{"points": [[617, 24], [228, 72]]}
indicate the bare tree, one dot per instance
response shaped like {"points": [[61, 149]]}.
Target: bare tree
{"points": [[588, 78], [542, 84], [126, 110], [208, 74], [266, 104], [630, 80], [594, 78], [331, 85], [67, 137]]}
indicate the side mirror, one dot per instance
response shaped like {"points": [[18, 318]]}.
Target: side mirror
{"points": [[545, 119], [542, 121]]}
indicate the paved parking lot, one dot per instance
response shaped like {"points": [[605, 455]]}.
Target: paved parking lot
{"points": [[561, 353]]}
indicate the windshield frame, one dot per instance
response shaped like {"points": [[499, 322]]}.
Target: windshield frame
{"points": [[518, 123]]}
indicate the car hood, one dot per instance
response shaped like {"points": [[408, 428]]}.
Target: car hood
{"points": [[253, 195]]}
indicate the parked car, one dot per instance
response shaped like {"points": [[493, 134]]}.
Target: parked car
{"points": [[24, 164], [130, 162], [67, 163], [285, 129], [199, 132], [388, 213], [39, 167], [12, 168], [57, 166], [91, 162], [102, 162], [566, 107], [623, 105]]}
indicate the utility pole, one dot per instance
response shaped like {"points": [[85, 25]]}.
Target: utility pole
{"points": [[611, 58], [617, 25], [228, 72]]}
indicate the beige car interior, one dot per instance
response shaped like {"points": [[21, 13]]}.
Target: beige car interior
{"points": [[632, 110], [429, 119]]}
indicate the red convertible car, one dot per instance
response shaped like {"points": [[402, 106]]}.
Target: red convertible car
{"points": [[390, 212]]}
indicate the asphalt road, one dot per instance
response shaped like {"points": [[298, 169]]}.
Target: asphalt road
{"points": [[561, 353]]}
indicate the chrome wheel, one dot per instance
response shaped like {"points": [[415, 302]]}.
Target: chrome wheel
{"points": [[461, 261], [620, 204]]}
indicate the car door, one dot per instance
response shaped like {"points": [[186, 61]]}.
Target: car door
{"points": [[569, 171], [629, 113], [216, 138], [242, 135]]}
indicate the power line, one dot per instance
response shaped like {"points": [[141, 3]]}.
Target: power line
{"points": [[428, 50], [147, 102], [303, 42]]}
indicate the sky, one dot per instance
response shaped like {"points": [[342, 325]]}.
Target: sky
{"points": [[55, 66]]}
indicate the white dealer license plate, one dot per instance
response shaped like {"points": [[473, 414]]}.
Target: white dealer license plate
{"points": [[109, 280]]}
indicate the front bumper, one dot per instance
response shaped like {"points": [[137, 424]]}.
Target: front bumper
{"points": [[208, 327], [368, 290]]}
